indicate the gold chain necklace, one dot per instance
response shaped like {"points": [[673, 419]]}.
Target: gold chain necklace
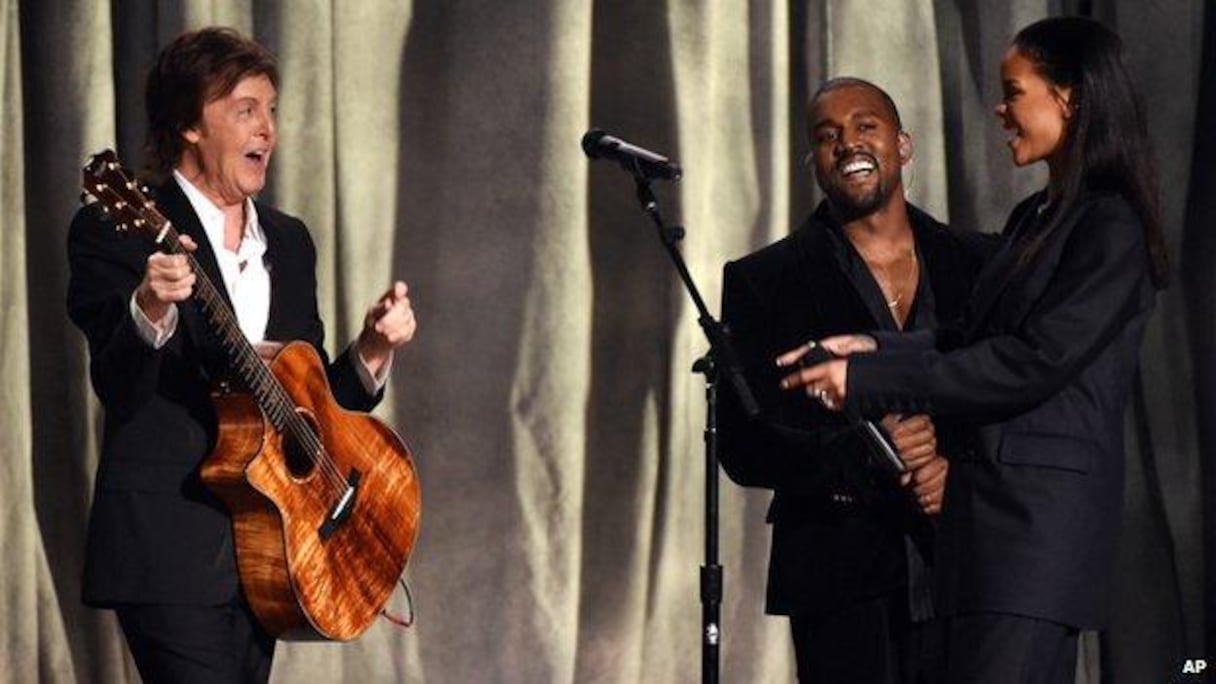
{"points": [[901, 291], [899, 294]]}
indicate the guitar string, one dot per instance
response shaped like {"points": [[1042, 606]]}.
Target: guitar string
{"points": [[265, 387], [271, 396]]}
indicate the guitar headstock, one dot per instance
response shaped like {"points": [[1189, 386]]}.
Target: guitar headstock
{"points": [[119, 195]]}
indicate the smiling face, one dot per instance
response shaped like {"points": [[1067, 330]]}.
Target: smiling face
{"points": [[857, 149], [1034, 110], [228, 151]]}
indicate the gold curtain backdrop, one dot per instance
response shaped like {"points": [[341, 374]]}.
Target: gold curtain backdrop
{"points": [[548, 396]]}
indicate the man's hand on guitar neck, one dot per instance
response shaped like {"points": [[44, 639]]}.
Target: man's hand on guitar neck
{"points": [[167, 280], [388, 324]]}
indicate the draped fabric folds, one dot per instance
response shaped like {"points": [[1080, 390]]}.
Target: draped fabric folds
{"points": [[548, 395]]}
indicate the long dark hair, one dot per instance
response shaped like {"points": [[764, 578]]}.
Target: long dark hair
{"points": [[1106, 144]]}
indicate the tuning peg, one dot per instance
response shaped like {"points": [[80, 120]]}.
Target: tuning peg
{"points": [[87, 198]]}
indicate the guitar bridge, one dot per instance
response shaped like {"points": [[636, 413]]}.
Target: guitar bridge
{"points": [[341, 510]]}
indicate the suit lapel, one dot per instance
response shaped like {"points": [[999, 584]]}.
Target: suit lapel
{"points": [[992, 281], [997, 275], [173, 204], [822, 273], [826, 268], [941, 268], [275, 250], [1003, 281]]}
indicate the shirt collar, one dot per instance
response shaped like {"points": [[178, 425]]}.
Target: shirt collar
{"points": [[854, 267], [212, 217]]}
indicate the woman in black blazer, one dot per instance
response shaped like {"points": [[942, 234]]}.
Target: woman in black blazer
{"points": [[1042, 365]]}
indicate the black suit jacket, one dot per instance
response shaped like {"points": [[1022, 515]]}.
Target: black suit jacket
{"points": [[1043, 365], [155, 534], [838, 523]]}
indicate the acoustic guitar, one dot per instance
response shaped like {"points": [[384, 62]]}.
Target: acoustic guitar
{"points": [[325, 502]]}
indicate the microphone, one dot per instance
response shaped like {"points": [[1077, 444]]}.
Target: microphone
{"points": [[598, 144]]}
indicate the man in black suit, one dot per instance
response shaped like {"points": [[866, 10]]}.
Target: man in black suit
{"points": [[851, 541], [160, 546]]}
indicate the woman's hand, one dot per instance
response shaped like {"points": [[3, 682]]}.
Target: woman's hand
{"points": [[825, 381]]}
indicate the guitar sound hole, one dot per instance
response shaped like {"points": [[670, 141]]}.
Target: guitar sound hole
{"points": [[300, 457]]}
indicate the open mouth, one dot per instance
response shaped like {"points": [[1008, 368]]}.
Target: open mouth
{"points": [[858, 167], [257, 156], [1012, 132]]}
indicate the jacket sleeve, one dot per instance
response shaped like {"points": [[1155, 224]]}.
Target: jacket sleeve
{"points": [[894, 340], [1095, 289], [104, 270], [793, 445]]}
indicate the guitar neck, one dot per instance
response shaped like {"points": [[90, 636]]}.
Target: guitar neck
{"points": [[244, 359], [106, 182]]}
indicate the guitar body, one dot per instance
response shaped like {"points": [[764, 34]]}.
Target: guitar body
{"points": [[304, 578]]}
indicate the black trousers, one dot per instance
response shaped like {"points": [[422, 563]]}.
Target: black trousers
{"points": [[871, 642], [203, 644], [996, 648]]}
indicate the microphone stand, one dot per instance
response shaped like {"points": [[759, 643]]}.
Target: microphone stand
{"points": [[720, 361]]}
